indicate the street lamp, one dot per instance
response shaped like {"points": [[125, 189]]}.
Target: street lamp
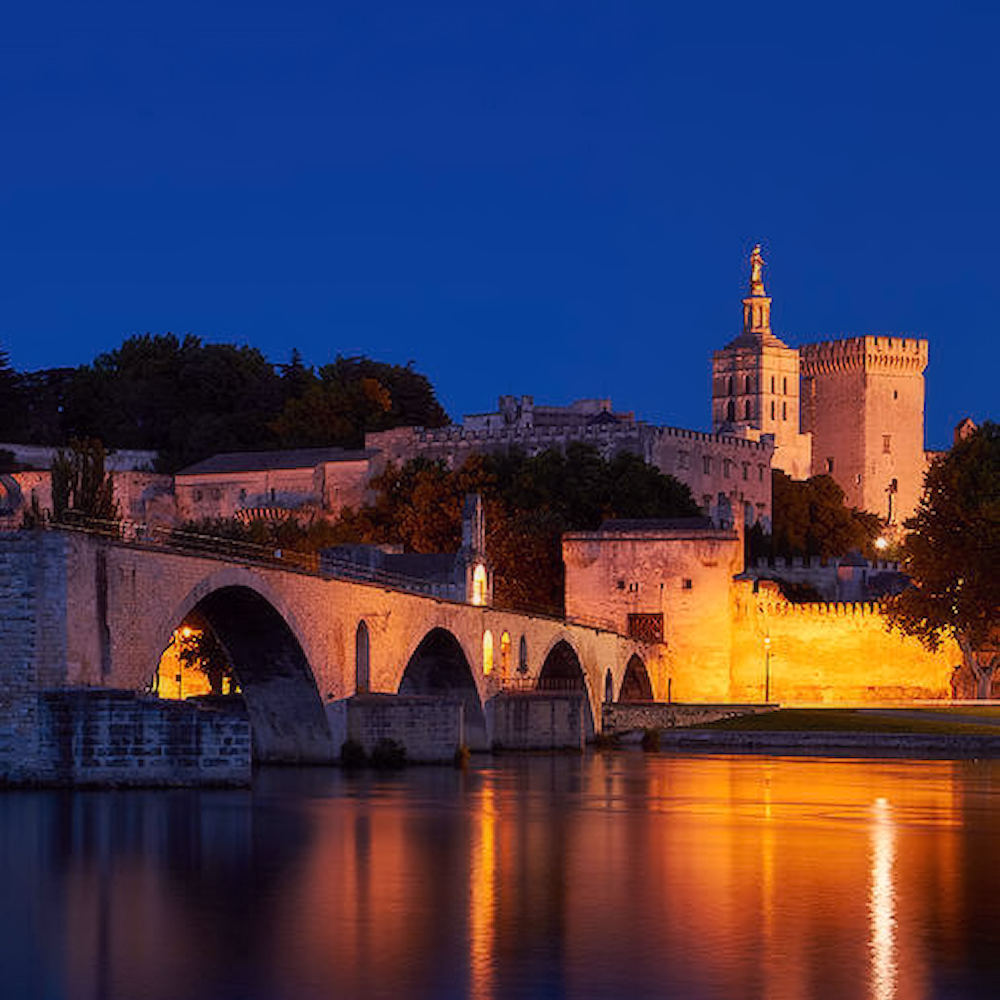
{"points": [[767, 669]]}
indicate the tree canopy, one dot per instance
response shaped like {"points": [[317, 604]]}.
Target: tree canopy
{"points": [[188, 399], [952, 553], [529, 503], [810, 518]]}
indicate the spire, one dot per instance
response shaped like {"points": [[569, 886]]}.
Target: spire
{"points": [[757, 306]]}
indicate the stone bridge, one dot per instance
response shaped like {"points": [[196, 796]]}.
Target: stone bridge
{"points": [[93, 611]]}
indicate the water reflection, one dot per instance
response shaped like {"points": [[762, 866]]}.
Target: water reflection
{"points": [[611, 876]]}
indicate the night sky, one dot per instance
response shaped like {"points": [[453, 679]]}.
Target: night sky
{"points": [[556, 199]]}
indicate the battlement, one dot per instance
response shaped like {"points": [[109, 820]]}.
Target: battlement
{"points": [[890, 355]]}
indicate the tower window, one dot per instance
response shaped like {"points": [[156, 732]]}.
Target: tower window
{"points": [[784, 411], [895, 394], [746, 410], [886, 444], [829, 465], [772, 406], [727, 467], [784, 386], [772, 388], [706, 465], [729, 385], [730, 411], [760, 473], [746, 470], [746, 385]]}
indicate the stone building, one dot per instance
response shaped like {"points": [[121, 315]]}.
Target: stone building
{"points": [[306, 481], [850, 408], [729, 475]]}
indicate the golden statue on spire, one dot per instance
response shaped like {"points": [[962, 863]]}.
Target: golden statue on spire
{"points": [[756, 272]]}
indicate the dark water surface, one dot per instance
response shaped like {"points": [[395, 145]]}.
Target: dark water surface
{"points": [[612, 876]]}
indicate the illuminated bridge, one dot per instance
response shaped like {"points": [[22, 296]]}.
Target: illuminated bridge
{"points": [[103, 610]]}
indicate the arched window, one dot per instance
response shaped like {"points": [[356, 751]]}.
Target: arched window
{"points": [[784, 411], [784, 386], [772, 409], [730, 411], [505, 655], [522, 656], [746, 410], [772, 389], [479, 585], [487, 652], [362, 678], [729, 386], [746, 385]]}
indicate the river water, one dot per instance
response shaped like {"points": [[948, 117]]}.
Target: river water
{"points": [[611, 875]]}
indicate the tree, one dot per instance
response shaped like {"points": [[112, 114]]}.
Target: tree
{"points": [[200, 649], [529, 503], [11, 400], [810, 518], [952, 553], [80, 485]]}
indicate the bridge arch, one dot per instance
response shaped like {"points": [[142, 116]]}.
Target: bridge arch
{"points": [[636, 685], [562, 670], [287, 718], [439, 666]]}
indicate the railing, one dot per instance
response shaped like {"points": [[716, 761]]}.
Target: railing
{"points": [[139, 533]]}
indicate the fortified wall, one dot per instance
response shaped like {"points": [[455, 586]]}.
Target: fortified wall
{"points": [[740, 640]]}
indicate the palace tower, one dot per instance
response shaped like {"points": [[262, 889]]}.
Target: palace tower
{"points": [[755, 383]]}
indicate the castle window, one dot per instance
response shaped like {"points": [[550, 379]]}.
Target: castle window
{"points": [[886, 444], [706, 465], [772, 406], [621, 584], [784, 411], [895, 394], [479, 585], [746, 385], [746, 410], [772, 390], [730, 386], [829, 465], [760, 473], [487, 652], [197, 495], [683, 460], [730, 411], [686, 584], [746, 470], [784, 386], [727, 468]]}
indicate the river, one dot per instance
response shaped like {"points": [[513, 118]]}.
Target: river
{"points": [[605, 876]]}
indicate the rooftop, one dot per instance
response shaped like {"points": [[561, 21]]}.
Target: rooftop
{"points": [[265, 461]]}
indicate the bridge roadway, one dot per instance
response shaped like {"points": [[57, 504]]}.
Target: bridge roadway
{"points": [[298, 639]]}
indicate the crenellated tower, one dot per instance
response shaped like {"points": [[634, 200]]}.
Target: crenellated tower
{"points": [[755, 382], [863, 402]]}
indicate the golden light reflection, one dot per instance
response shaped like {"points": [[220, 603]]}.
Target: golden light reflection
{"points": [[180, 673], [882, 901], [483, 899]]}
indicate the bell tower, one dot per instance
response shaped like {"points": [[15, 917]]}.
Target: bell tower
{"points": [[755, 382]]}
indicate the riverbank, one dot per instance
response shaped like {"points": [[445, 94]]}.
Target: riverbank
{"points": [[963, 731]]}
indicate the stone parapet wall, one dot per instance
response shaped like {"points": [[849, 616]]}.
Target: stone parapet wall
{"points": [[533, 720], [867, 353], [624, 717], [430, 729]]}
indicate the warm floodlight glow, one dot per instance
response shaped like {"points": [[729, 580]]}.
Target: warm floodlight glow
{"points": [[881, 543], [882, 901], [479, 585]]}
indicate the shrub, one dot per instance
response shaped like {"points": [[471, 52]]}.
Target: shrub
{"points": [[352, 754], [651, 740], [388, 754]]}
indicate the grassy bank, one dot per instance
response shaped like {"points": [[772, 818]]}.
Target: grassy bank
{"points": [[967, 721]]}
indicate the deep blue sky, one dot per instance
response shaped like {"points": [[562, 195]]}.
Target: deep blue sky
{"points": [[548, 198]]}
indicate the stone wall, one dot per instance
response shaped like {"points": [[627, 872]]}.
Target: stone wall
{"points": [[102, 738], [621, 717], [531, 720], [431, 729], [832, 653]]}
